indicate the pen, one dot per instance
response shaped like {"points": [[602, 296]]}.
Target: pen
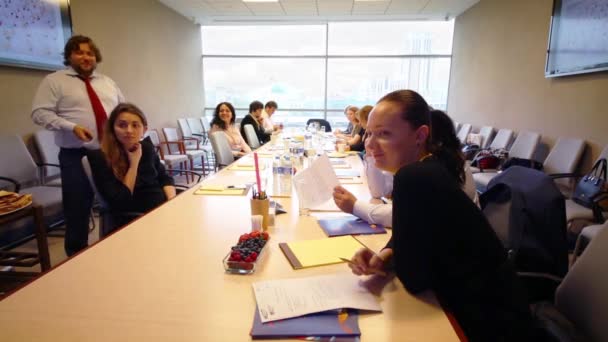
{"points": [[378, 272]]}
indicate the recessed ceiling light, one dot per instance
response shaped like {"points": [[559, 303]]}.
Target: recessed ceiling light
{"points": [[260, 0]]}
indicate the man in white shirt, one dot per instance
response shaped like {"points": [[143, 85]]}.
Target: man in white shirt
{"points": [[269, 108], [74, 103]]}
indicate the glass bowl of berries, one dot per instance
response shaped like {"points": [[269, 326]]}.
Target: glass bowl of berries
{"points": [[246, 255]]}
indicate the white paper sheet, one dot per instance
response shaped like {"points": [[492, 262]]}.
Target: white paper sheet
{"points": [[287, 298], [315, 184]]}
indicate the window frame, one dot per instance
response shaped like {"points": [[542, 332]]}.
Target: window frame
{"points": [[327, 57]]}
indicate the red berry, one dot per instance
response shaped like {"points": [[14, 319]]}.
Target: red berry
{"points": [[255, 234], [265, 235], [248, 259]]}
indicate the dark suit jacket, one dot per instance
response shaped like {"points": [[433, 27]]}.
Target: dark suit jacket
{"points": [[263, 137], [443, 242]]}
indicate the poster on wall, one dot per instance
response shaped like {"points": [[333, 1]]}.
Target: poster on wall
{"points": [[34, 32], [578, 38]]}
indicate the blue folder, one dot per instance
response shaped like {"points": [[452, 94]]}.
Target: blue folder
{"points": [[316, 327], [349, 226]]}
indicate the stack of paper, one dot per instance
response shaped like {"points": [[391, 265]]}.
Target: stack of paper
{"points": [[315, 184], [287, 298]]}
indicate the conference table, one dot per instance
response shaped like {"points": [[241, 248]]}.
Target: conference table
{"points": [[161, 278]]}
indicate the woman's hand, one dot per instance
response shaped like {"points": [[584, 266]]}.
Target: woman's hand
{"points": [[344, 199], [366, 262], [134, 154], [169, 191]]}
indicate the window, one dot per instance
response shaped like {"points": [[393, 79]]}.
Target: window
{"points": [[317, 70]]}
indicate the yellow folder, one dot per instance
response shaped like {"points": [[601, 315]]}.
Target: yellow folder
{"points": [[327, 251]]}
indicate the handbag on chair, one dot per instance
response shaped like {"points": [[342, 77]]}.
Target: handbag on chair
{"points": [[591, 185]]}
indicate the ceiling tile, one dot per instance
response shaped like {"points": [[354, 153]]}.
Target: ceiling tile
{"points": [[406, 6], [449, 8], [335, 7], [265, 8], [231, 8], [299, 7], [205, 10], [370, 7]]}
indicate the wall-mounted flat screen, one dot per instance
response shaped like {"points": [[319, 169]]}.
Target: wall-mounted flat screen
{"points": [[34, 32], [578, 37]]}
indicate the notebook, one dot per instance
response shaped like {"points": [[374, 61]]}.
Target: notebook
{"points": [[327, 251], [245, 166], [347, 173], [338, 323], [349, 226], [354, 180], [337, 155], [223, 190]]}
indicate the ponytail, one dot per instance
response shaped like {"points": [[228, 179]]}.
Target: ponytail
{"points": [[445, 145]]}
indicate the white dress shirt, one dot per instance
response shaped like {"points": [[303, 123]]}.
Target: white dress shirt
{"points": [[62, 102], [381, 184], [267, 124]]}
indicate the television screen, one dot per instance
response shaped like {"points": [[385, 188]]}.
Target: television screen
{"points": [[578, 37], [34, 32]]}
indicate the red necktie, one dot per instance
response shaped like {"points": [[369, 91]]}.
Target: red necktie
{"points": [[100, 113]]}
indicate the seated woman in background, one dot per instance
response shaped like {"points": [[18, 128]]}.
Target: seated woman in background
{"points": [[254, 118], [357, 142], [223, 121], [351, 129], [381, 182], [126, 170], [441, 240]]}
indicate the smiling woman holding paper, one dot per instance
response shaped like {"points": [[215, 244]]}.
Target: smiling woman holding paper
{"points": [[441, 240]]}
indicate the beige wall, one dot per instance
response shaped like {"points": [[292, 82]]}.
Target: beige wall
{"points": [[498, 78], [152, 53]]}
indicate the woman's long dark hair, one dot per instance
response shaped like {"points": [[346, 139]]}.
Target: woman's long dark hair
{"points": [[442, 141], [216, 115], [112, 149]]}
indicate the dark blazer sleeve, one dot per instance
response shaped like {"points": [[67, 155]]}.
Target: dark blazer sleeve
{"points": [[412, 240], [109, 187], [263, 137]]}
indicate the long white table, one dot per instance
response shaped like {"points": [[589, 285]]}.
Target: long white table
{"points": [[161, 279]]}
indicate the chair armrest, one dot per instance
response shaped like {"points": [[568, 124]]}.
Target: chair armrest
{"points": [[190, 138], [14, 182], [180, 145], [202, 135], [197, 174], [597, 208], [47, 164], [564, 175]]}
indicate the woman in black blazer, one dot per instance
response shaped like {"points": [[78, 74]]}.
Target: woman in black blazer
{"points": [[441, 240], [126, 170]]}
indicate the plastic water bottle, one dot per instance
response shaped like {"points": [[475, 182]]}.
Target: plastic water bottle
{"points": [[307, 140], [276, 175], [286, 169]]}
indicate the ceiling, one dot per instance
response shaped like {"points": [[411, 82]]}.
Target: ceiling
{"points": [[220, 11]]}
